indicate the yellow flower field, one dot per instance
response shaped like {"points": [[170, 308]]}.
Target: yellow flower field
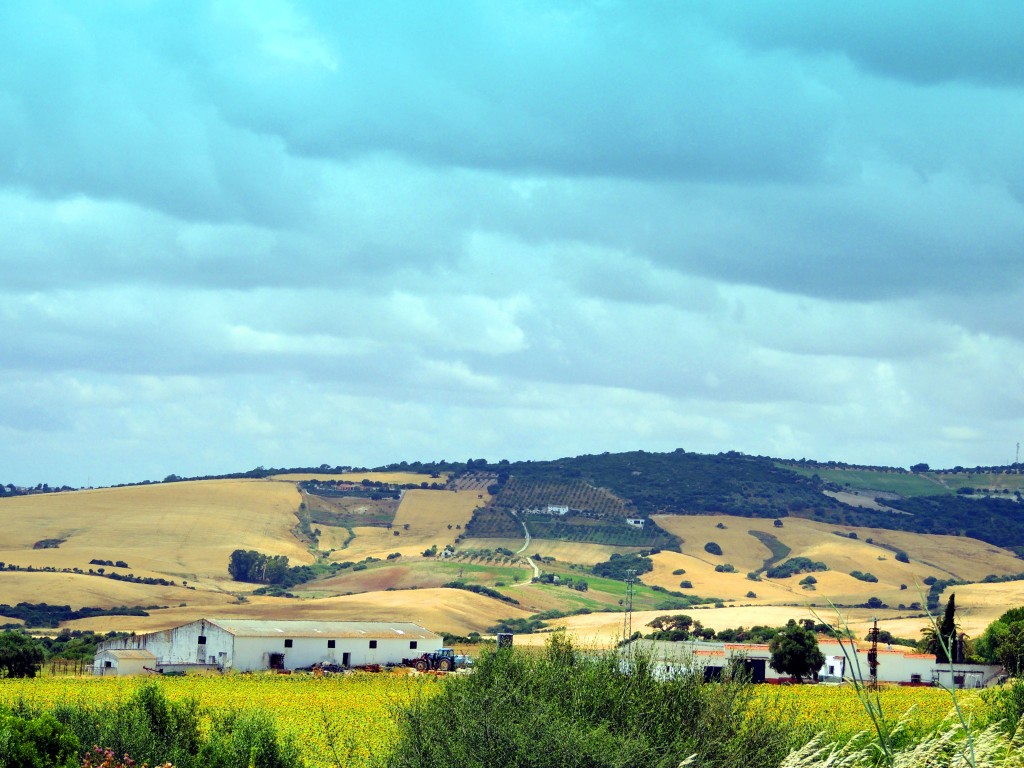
{"points": [[355, 713], [353, 716], [838, 712]]}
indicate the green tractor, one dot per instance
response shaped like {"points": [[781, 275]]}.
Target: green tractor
{"points": [[441, 660]]}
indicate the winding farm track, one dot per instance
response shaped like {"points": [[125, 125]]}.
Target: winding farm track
{"points": [[526, 544]]}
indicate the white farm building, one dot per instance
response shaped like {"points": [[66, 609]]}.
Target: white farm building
{"points": [[247, 645], [900, 667]]}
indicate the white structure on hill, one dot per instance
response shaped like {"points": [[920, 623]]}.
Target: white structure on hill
{"points": [[894, 666], [247, 645]]}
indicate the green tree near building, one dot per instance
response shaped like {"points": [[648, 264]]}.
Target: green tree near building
{"points": [[942, 641], [1002, 642], [795, 651], [20, 655]]}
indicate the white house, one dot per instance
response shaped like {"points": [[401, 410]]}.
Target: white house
{"points": [[123, 662], [636, 522], [247, 645], [842, 661]]}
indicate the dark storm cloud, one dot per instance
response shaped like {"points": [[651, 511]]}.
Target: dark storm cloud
{"points": [[922, 42]]}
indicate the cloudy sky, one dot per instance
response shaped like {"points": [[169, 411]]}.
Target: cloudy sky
{"points": [[280, 233]]}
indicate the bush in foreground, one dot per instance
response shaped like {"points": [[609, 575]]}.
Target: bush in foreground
{"points": [[569, 708]]}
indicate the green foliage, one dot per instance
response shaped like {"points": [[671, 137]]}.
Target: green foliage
{"points": [[779, 551], [20, 654], [795, 565], [725, 568], [36, 742], [567, 708], [1003, 642], [481, 590], [151, 728], [861, 576], [795, 651], [902, 557], [46, 615], [618, 566], [246, 739]]}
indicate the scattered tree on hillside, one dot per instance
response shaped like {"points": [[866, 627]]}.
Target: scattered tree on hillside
{"points": [[795, 651]]}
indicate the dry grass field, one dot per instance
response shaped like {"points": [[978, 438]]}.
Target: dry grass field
{"points": [[431, 517], [437, 609], [186, 531], [939, 556], [177, 530], [603, 630]]}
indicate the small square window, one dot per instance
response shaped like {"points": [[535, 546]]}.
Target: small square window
{"points": [[202, 639], [373, 643], [288, 643], [412, 645], [330, 643]]}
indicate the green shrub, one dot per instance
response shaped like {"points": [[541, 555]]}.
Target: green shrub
{"points": [[152, 729], [568, 708], [712, 548], [36, 742]]}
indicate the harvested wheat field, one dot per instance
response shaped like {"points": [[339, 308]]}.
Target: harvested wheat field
{"points": [[604, 630], [431, 517], [438, 610], [181, 530], [964, 558], [80, 590], [707, 582]]}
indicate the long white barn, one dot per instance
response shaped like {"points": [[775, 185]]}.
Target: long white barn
{"points": [[247, 645], [894, 665]]}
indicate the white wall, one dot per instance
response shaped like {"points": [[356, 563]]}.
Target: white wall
{"points": [[253, 653], [181, 644]]}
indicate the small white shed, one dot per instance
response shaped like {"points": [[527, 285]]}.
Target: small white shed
{"points": [[121, 662]]}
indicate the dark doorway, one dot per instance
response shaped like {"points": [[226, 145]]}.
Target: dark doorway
{"points": [[346, 658], [277, 661]]}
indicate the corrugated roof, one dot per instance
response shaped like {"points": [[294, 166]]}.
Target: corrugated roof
{"points": [[130, 653], [371, 629]]}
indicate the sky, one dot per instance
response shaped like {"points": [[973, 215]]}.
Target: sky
{"points": [[248, 233]]}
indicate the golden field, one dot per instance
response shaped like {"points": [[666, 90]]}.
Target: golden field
{"points": [[178, 530], [349, 718], [431, 517], [185, 532]]}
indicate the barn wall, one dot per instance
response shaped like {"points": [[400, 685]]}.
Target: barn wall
{"points": [[181, 644], [253, 653]]}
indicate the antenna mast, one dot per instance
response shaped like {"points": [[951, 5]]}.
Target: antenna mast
{"points": [[627, 620], [873, 654]]}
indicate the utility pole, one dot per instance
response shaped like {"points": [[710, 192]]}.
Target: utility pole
{"points": [[873, 655], [627, 619]]}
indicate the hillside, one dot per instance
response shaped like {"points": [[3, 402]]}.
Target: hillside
{"points": [[390, 544]]}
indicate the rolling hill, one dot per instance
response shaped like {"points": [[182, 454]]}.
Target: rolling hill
{"points": [[385, 544]]}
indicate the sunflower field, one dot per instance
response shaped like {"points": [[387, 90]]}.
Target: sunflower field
{"points": [[337, 720], [350, 720]]}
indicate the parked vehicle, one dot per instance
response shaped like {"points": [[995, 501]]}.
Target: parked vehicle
{"points": [[441, 660]]}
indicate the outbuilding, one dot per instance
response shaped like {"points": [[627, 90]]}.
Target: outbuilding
{"points": [[121, 662], [247, 645]]}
